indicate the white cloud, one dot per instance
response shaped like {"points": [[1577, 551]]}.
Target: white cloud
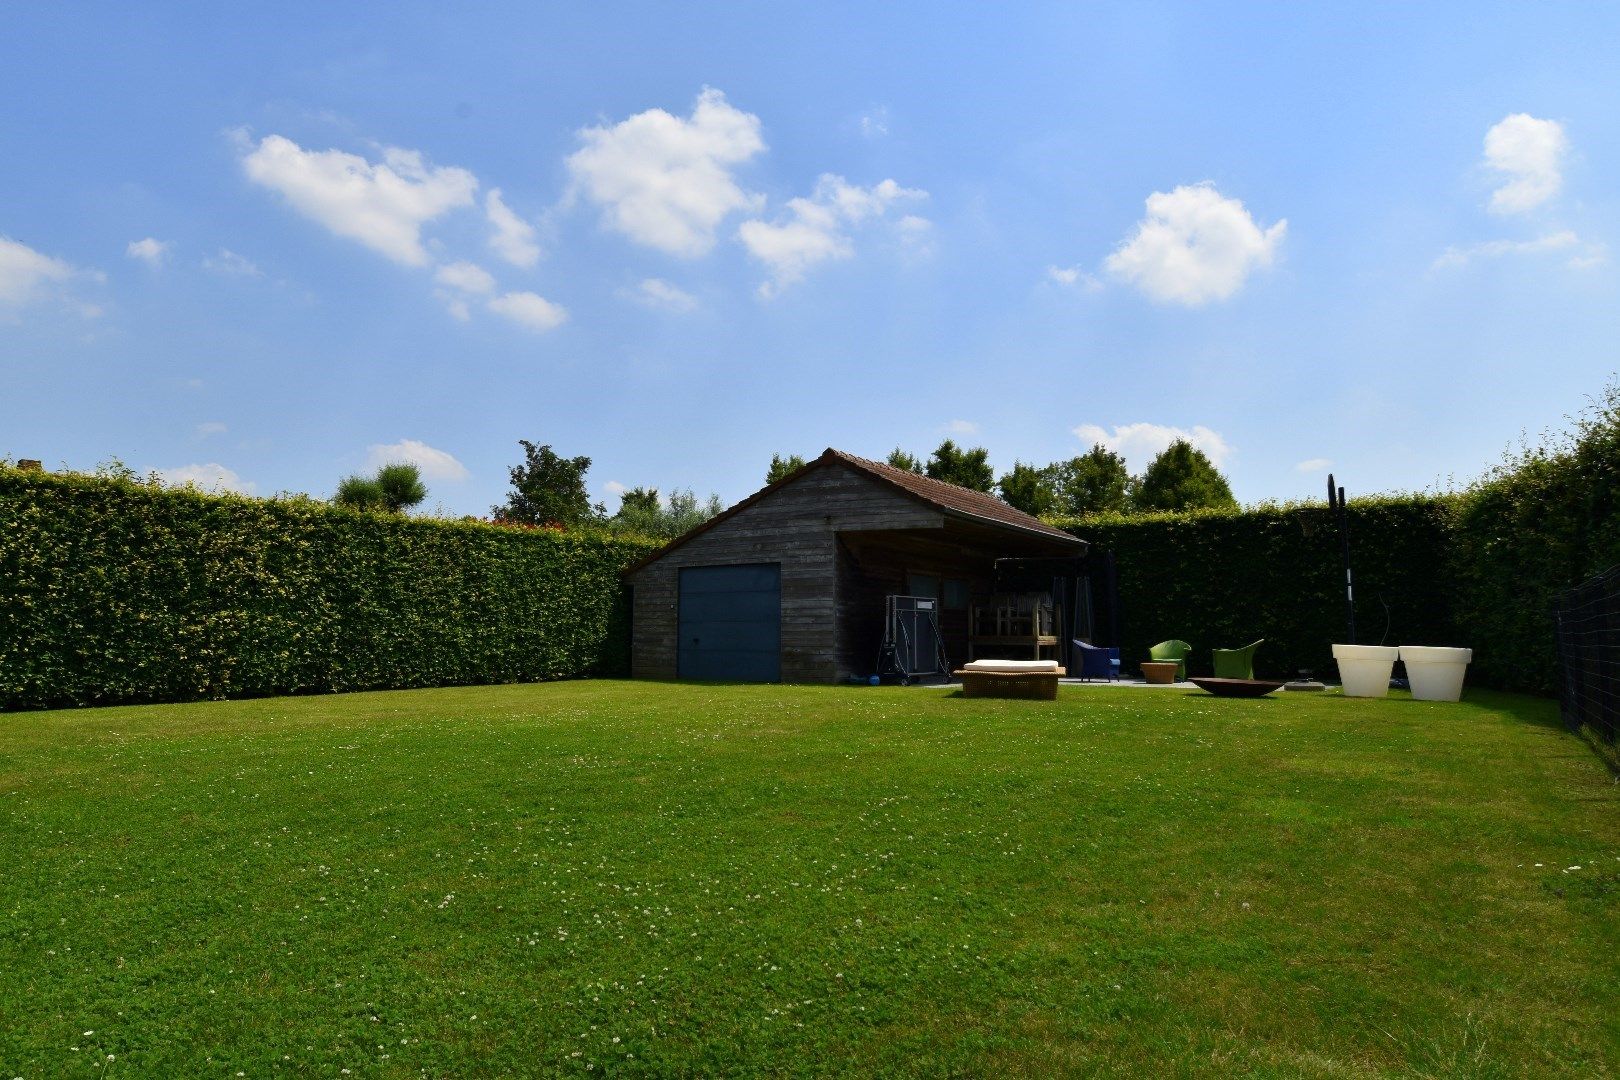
{"points": [[434, 464], [151, 251], [1315, 464], [210, 477], [658, 293], [1596, 254], [875, 124], [529, 310], [1139, 444], [465, 276], [613, 487], [382, 205], [1531, 153], [27, 275], [461, 280], [513, 238], [1073, 277], [961, 427], [231, 264], [211, 427], [1195, 245], [666, 182], [813, 230], [1583, 255]]}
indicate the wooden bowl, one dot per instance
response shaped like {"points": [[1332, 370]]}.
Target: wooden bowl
{"points": [[1237, 687]]}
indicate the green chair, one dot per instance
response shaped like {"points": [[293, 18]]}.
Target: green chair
{"points": [[1176, 650], [1236, 663]]}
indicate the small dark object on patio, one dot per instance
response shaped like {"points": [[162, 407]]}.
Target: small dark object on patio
{"points": [[1237, 687]]}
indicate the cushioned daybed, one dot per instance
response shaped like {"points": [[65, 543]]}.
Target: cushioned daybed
{"points": [[1034, 679]]}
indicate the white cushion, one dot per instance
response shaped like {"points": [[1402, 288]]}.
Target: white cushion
{"points": [[1012, 665]]}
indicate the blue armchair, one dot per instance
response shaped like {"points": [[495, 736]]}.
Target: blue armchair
{"points": [[1095, 661]]}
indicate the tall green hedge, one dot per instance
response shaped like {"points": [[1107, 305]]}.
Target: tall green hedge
{"points": [[1543, 521], [1223, 578], [115, 591], [1481, 568]]}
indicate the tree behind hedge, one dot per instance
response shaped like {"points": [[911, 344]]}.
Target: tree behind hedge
{"points": [[1183, 478], [1029, 489], [395, 489], [548, 490]]}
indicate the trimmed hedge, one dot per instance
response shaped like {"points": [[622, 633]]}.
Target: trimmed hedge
{"points": [[1222, 578], [1480, 569], [112, 591]]}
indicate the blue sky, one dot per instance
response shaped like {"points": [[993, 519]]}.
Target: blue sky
{"points": [[680, 238]]}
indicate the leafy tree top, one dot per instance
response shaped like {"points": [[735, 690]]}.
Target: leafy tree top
{"points": [[1095, 481], [548, 490], [1183, 478], [1029, 489], [964, 468], [642, 512], [395, 489], [899, 459], [781, 467]]}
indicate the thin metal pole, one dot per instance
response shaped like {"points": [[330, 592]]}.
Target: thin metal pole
{"points": [[1336, 501]]}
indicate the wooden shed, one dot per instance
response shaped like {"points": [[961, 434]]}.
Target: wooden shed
{"points": [[789, 584]]}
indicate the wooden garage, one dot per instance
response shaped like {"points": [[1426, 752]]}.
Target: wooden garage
{"points": [[789, 584]]}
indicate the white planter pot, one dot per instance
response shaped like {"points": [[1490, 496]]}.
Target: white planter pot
{"points": [[1436, 674], [1364, 669]]}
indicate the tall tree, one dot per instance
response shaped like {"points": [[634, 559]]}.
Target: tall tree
{"points": [[395, 489], [781, 467], [964, 468], [1029, 489], [1183, 478], [899, 459], [548, 490], [1096, 480]]}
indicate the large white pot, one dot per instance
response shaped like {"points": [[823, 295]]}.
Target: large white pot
{"points": [[1364, 669], [1436, 674]]}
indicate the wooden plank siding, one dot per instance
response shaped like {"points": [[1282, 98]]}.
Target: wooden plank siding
{"points": [[795, 526]]}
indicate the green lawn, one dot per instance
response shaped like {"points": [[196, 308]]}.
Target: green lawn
{"points": [[626, 878]]}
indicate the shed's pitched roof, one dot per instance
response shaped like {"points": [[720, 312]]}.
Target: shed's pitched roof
{"points": [[948, 498]]}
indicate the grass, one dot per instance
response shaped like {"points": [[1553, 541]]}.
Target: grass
{"points": [[625, 878]]}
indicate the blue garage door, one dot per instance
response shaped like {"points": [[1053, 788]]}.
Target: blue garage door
{"points": [[731, 623]]}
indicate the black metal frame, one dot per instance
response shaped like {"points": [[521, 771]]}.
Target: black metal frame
{"points": [[901, 616]]}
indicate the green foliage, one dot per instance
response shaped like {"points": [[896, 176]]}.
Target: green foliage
{"points": [[401, 486], [1222, 578], [781, 467], [112, 590], [1183, 478], [548, 490], [1543, 520], [643, 513], [395, 489], [899, 459], [1095, 482], [1029, 489], [1480, 569], [964, 468], [359, 493]]}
